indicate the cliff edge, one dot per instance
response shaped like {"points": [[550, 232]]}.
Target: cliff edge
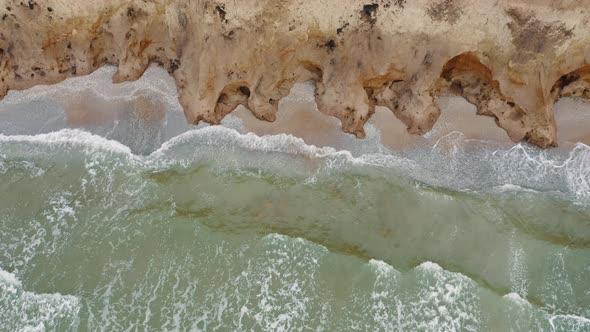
{"points": [[512, 59]]}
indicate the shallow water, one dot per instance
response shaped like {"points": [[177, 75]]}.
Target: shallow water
{"points": [[130, 224]]}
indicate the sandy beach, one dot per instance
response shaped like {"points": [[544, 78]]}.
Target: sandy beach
{"points": [[94, 102]]}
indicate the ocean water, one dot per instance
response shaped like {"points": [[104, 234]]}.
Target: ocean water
{"points": [[119, 223]]}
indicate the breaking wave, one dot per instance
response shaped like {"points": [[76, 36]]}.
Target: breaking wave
{"points": [[205, 228], [453, 162]]}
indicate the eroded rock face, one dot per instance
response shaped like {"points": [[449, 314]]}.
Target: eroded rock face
{"points": [[512, 59]]}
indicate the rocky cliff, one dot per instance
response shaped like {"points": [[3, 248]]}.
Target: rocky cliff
{"points": [[511, 58]]}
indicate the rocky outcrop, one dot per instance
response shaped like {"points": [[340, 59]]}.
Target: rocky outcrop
{"points": [[511, 59]]}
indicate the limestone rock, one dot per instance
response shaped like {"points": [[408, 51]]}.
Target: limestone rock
{"points": [[511, 58]]}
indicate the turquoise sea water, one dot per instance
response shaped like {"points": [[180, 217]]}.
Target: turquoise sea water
{"points": [[215, 230]]}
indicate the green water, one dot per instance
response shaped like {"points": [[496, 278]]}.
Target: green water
{"points": [[218, 231]]}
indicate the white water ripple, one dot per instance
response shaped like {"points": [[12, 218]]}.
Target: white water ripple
{"points": [[21, 310]]}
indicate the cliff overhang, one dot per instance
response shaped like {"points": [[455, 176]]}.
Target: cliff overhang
{"points": [[511, 59]]}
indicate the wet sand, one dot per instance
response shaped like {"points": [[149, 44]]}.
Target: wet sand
{"points": [[93, 102], [573, 121], [298, 116]]}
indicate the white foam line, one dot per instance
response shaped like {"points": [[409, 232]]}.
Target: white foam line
{"points": [[516, 298], [75, 137], [508, 187], [573, 167], [429, 266], [271, 143], [574, 317], [281, 143], [9, 278]]}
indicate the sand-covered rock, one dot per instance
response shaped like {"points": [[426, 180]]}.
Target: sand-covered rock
{"points": [[512, 59]]}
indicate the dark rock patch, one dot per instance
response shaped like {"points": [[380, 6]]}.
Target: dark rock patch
{"points": [[400, 3], [174, 64], [330, 45], [533, 36], [369, 13], [341, 29], [244, 90], [220, 10], [445, 11]]}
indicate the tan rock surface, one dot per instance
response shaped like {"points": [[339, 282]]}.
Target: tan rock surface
{"points": [[511, 59]]}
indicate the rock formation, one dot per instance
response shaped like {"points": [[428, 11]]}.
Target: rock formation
{"points": [[510, 58]]}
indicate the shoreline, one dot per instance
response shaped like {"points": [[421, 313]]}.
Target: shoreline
{"points": [[512, 59], [152, 101]]}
